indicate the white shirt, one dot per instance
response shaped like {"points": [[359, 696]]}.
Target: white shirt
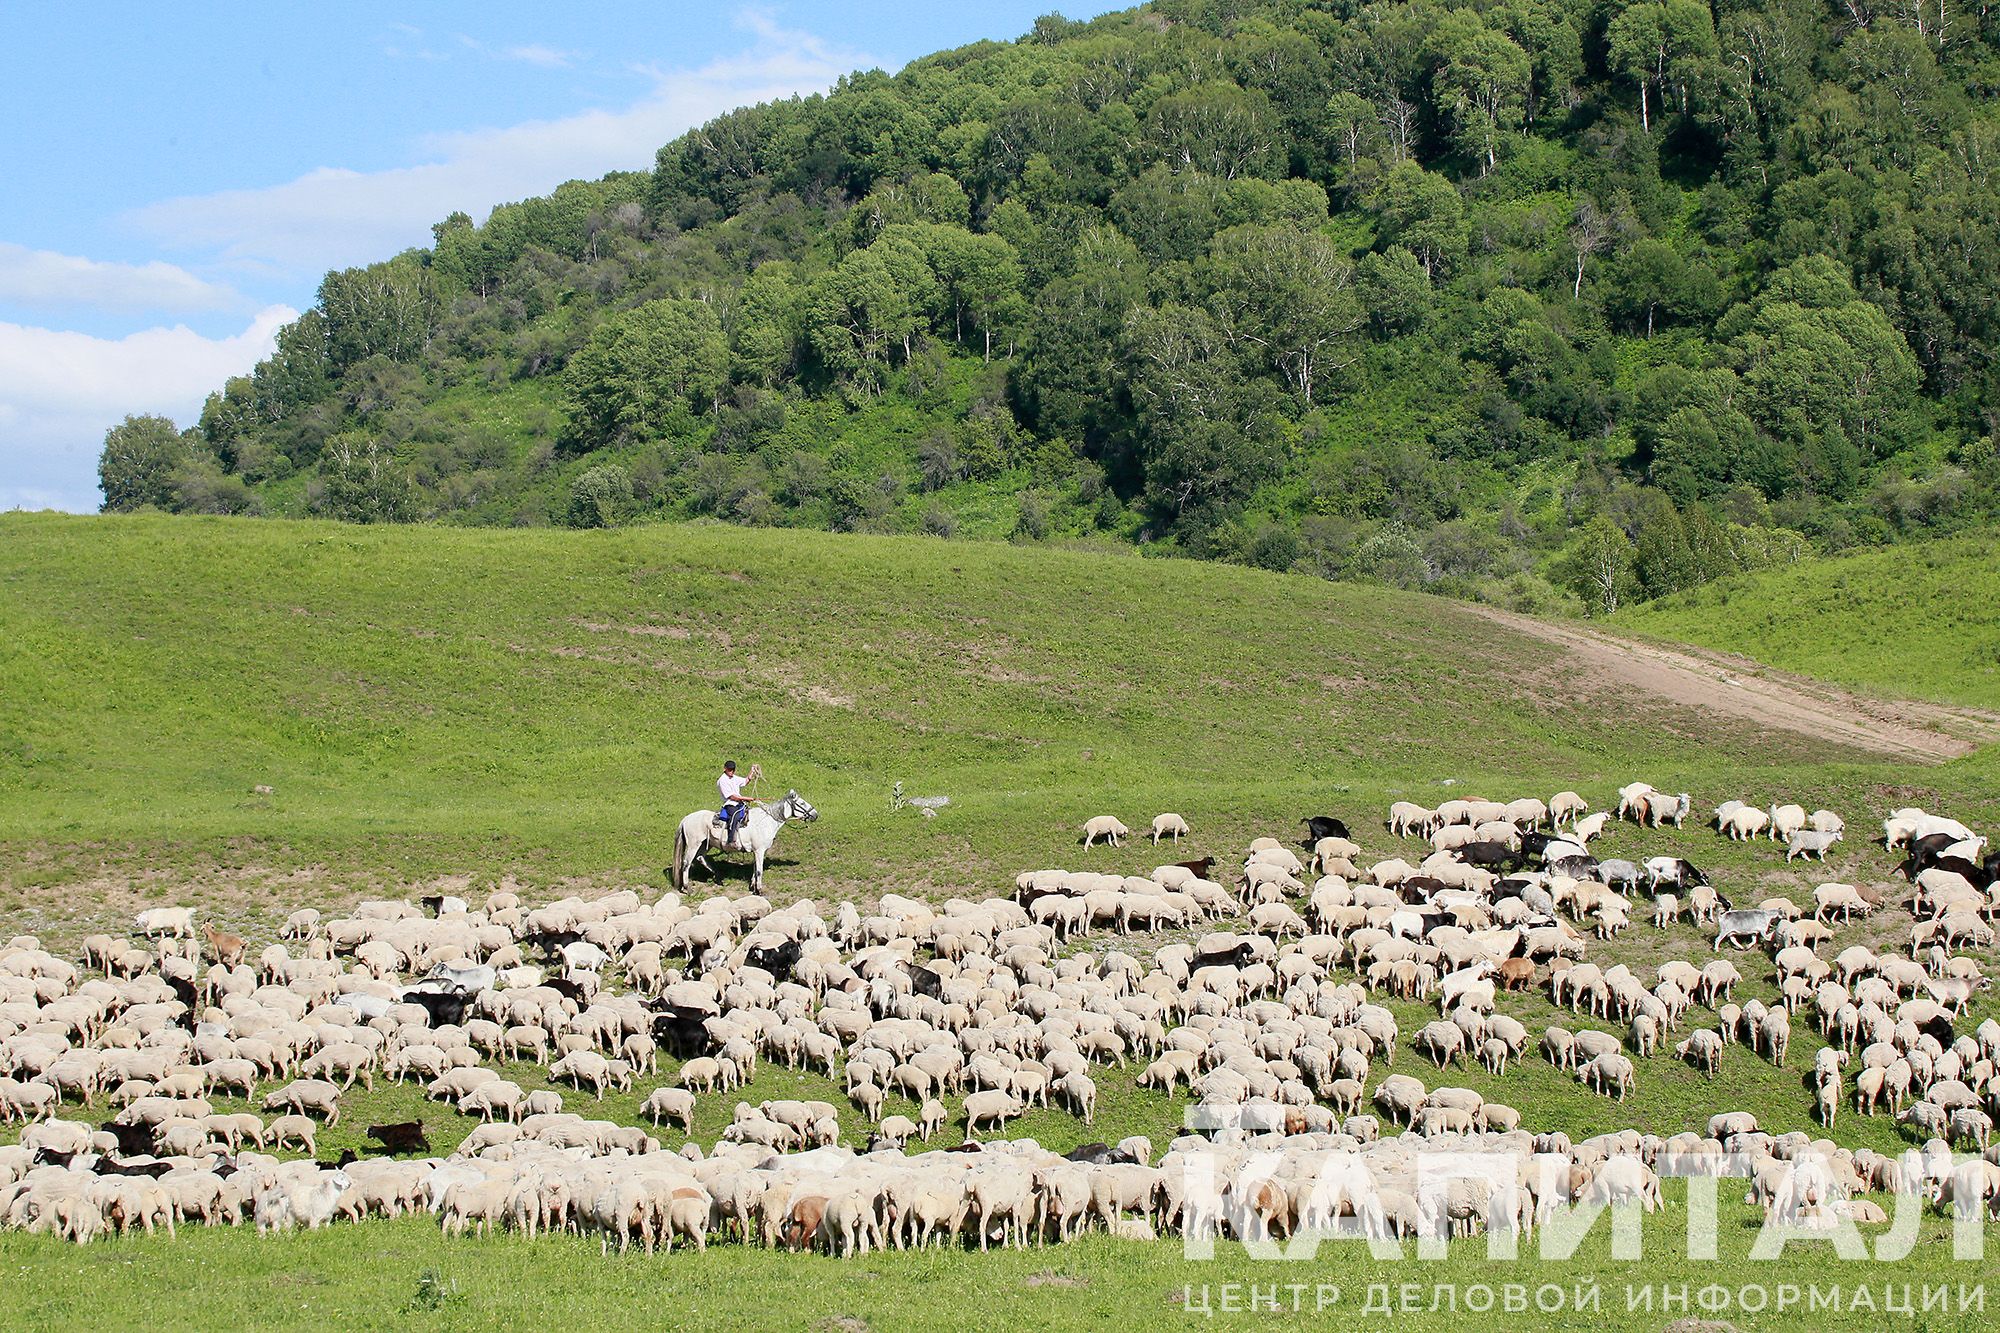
{"points": [[729, 784]]}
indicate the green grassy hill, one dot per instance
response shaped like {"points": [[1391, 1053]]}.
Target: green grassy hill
{"points": [[423, 702], [1915, 622], [475, 704]]}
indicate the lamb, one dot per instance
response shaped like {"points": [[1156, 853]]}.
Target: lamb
{"points": [[1808, 842], [1657, 808], [1165, 825], [1407, 818], [1108, 827], [1785, 820], [1590, 826], [895, 1131], [1609, 1072]]}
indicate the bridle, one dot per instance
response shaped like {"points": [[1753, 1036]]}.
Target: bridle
{"points": [[792, 806]]}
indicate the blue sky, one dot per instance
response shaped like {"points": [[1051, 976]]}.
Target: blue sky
{"points": [[179, 177]]}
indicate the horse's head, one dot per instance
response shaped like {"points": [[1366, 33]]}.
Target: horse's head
{"points": [[795, 806]]}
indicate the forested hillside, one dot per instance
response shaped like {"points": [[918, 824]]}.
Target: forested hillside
{"points": [[1555, 302]]}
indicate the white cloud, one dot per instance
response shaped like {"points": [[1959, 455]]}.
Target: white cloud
{"points": [[547, 57], [332, 217], [60, 391], [47, 280]]}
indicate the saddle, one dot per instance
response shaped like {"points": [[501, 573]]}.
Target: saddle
{"points": [[718, 833]]}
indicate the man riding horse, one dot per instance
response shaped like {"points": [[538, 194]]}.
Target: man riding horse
{"points": [[735, 805]]}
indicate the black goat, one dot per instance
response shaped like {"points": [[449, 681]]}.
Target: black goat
{"points": [[1239, 956], [1491, 856], [401, 1137], [778, 960], [681, 1029], [440, 1007], [1323, 826], [107, 1166]]}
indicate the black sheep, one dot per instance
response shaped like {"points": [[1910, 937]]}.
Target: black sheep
{"points": [[133, 1140]]}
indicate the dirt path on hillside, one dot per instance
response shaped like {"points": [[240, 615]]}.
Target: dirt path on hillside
{"points": [[1744, 688]]}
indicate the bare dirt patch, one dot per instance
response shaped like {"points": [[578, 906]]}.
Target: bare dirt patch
{"points": [[1740, 687]]}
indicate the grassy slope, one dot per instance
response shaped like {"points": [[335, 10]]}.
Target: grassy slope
{"points": [[430, 701], [1918, 621], [427, 702]]}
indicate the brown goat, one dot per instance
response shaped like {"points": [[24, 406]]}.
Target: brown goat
{"points": [[228, 948], [801, 1226]]}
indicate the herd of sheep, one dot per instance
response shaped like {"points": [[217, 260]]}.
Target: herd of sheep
{"points": [[1279, 1028]]}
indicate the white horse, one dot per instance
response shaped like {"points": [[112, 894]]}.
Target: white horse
{"points": [[698, 834]]}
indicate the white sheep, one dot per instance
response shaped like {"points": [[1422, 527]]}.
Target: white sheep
{"points": [[1785, 820], [176, 922], [1108, 827], [1744, 822], [1168, 825], [1566, 806], [669, 1104]]}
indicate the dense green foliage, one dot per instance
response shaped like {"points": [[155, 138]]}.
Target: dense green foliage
{"points": [[1547, 301]]}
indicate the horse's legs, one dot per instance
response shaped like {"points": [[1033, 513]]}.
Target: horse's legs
{"points": [[757, 874]]}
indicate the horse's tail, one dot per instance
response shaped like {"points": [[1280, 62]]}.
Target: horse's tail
{"points": [[677, 873]]}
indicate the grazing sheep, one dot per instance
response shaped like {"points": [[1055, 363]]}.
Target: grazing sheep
{"points": [[1108, 827], [669, 1104], [1842, 898], [1702, 1049], [1167, 825]]}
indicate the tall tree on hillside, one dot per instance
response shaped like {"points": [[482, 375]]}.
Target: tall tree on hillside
{"points": [[1422, 212], [141, 455], [1290, 292], [1481, 83], [641, 368], [1217, 129], [1201, 443], [858, 314], [381, 310], [1667, 47]]}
